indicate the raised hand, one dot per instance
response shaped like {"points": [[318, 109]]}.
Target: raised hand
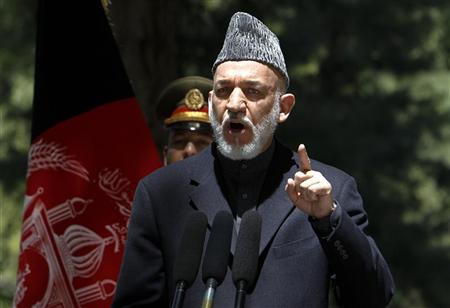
{"points": [[309, 190]]}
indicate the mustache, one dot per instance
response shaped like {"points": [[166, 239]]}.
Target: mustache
{"points": [[232, 117]]}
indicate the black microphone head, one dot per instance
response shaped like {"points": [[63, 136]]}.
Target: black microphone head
{"points": [[191, 248], [245, 262], [215, 262]]}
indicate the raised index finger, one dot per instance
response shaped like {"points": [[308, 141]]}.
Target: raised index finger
{"points": [[305, 163]]}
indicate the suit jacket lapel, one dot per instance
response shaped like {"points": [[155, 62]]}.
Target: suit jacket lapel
{"points": [[275, 205], [206, 194]]}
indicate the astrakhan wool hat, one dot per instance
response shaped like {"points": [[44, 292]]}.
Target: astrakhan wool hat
{"points": [[247, 38]]}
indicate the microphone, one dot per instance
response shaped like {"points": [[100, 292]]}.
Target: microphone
{"points": [[216, 257], [189, 255], [245, 262]]}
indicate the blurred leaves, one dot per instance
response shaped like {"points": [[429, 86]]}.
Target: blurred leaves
{"points": [[17, 26]]}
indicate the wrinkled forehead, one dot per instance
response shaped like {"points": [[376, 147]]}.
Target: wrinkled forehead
{"points": [[246, 71]]}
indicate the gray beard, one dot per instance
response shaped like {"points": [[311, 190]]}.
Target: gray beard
{"points": [[262, 133]]}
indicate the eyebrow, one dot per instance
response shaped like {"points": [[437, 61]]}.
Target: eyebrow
{"points": [[222, 82], [247, 83], [253, 83]]}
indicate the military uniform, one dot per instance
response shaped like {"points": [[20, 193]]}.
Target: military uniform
{"points": [[182, 108], [183, 104]]}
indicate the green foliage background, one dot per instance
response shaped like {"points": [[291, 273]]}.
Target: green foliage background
{"points": [[17, 30], [372, 80]]}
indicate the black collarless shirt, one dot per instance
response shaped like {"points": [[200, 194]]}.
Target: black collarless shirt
{"points": [[243, 179]]}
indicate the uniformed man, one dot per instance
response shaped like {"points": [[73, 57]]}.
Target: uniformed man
{"points": [[183, 109]]}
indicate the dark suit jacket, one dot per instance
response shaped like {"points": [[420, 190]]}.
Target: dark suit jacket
{"points": [[295, 262]]}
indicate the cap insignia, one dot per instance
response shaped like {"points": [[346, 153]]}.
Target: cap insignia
{"points": [[194, 99]]}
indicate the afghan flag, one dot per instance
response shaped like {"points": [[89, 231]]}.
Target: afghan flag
{"points": [[90, 145]]}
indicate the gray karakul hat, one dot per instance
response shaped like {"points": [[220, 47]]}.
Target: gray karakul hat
{"points": [[248, 38]]}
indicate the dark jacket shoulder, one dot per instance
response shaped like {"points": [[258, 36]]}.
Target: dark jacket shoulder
{"points": [[180, 172]]}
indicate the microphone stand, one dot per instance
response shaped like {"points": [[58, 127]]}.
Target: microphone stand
{"points": [[240, 294], [180, 291], [208, 298]]}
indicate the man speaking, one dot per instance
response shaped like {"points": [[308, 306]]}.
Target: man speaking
{"points": [[313, 219]]}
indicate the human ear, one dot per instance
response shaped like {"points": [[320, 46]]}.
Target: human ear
{"points": [[287, 102]]}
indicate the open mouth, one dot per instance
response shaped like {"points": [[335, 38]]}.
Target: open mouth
{"points": [[236, 127]]}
